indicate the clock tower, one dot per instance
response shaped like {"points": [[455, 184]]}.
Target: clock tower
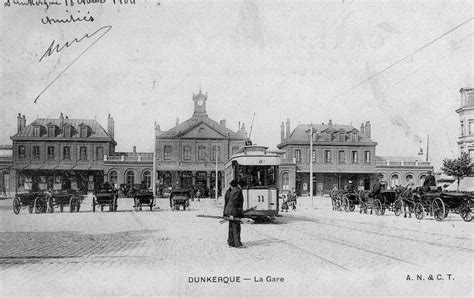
{"points": [[200, 104]]}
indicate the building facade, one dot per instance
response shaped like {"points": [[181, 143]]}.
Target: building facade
{"points": [[466, 118], [399, 170], [6, 167], [340, 153], [129, 168], [187, 155], [60, 153]]}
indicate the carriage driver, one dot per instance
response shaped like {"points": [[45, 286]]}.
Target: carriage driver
{"points": [[429, 181], [377, 187]]}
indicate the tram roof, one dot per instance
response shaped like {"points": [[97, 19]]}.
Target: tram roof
{"points": [[254, 155]]}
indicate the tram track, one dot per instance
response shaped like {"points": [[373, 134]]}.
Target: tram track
{"points": [[437, 244], [293, 246]]}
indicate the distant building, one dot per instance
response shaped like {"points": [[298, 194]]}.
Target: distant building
{"points": [[340, 153], [186, 154], [60, 153], [400, 170], [466, 117], [6, 166], [129, 168]]}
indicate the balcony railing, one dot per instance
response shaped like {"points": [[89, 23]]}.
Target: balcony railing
{"points": [[130, 158]]}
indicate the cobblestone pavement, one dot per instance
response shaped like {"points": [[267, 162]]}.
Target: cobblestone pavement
{"points": [[316, 250]]}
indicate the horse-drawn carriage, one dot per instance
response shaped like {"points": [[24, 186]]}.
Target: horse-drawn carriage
{"points": [[179, 198], [106, 196], [37, 201], [143, 196], [386, 199], [437, 203], [64, 198]]}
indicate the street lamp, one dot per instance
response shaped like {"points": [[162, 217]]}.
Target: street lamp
{"points": [[311, 163]]}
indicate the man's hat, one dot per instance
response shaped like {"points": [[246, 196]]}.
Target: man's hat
{"points": [[233, 183]]}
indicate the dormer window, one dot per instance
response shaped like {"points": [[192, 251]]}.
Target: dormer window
{"points": [[51, 131], [36, 131], [67, 131], [354, 137], [83, 132], [342, 137], [327, 137]]}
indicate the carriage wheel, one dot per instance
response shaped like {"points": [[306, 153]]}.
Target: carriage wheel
{"points": [[71, 205], [398, 207], [352, 207], [345, 204], [378, 207], [382, 210], [466, 215], [38, 206], [419, 212], [16, 205], [50, 205], [438, 209]]}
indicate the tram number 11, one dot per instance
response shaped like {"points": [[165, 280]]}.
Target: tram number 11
{"points": [[261, 199]]}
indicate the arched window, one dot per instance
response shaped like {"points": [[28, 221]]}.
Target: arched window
{"points": [[394, 180], [409, 178], [113, 177], [285, 178], [130, 178], [147, 178]]}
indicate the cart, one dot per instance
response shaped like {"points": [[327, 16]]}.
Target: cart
{"points": [[66, 198], [37, 201], [105, 197], [143, 197], [179, 198]]}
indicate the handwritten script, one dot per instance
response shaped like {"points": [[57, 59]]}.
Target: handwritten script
{"points": [[55, 48], [71, 17]]}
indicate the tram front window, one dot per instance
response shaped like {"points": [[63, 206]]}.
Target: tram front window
{"points": [[255, 176]]}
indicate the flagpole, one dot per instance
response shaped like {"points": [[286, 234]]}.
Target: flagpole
{"points": [[217, 159], [311, 164], [154, 166]]}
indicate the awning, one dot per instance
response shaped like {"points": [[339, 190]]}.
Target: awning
{"points": [[81, 167], [466, 184], [63, 167]]}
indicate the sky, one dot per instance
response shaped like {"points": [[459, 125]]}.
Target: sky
{"points": [[398, 64]]}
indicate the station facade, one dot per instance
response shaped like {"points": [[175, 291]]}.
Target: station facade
{"points": [[340, 153], [60, 153], [187, 155]]}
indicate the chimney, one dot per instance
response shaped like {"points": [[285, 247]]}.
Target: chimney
{"points": [[362, 128], [223, 122], [282, 131], [330, 122], [420, 153], [287, 127], [367, 128], [110, 126], [177, 121], [134, 149], [23, 122], [18, 125], [61, 121]]}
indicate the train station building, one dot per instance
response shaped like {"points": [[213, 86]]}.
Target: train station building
{"points": [[341, 153], [187, 154], [60, 153]]}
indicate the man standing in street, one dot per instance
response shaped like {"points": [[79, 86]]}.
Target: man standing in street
{"points": [[233, 208]]}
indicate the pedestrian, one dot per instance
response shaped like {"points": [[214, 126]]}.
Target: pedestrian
{"points": [[292, 199], [233, 208]]}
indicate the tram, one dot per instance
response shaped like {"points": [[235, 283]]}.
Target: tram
{"points": [[256, 171]]}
